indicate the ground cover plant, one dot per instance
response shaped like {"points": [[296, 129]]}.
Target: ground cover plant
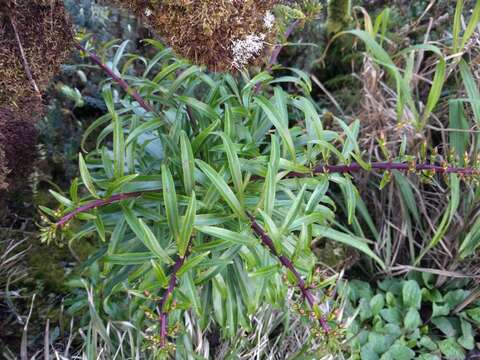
{"points": [[233, 216]]}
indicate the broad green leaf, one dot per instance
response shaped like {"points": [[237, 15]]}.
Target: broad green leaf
{"points": [[412, 320], [411, 294], [451, 350]]}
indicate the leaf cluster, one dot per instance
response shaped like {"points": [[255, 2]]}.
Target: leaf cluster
{"points": [[413, 319]]}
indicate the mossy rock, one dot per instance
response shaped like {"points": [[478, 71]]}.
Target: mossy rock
{"points": [[36, 37]]}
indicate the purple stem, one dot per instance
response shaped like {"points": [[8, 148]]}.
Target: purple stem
{"points": [[276, 51], [278, 48], [95, 204], [123, 84], [387, 166], [163, 315], [287, 263], [353, 167]]}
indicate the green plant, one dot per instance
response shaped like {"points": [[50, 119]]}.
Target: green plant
{"points": [[401, 65], [193, 201], [407, 319], [204, 178]]}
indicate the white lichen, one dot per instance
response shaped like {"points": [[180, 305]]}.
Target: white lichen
{"points": [[243, 50], [269, 20]]}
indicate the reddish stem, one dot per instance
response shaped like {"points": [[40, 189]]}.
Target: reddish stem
{"points": [[278, 48], [387, 166], [122, 83], [287, 263], [353, 167], [95, 204], [163, 315], [276, 51]]}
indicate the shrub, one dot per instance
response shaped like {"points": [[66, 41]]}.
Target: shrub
{"points": [[205, 198]]}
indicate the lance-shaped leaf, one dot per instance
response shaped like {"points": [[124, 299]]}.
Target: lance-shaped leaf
{"points": [[143, 232], [86, 177], [233, 163], [228, 235], [187, 226], [270, 187], [347, 239], [170, 200], [188, 162], [276, 119], [293, 211], [222, 187]]}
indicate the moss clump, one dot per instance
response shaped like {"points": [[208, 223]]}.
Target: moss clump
{"points": [[221, 34], [45, 37], [339, 15], [18, 138]]}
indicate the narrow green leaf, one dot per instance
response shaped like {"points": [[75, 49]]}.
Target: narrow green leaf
{"points": [[170, 200], [457, 26], [129, 258], [293, 211], [191, 263], [276, 119], [471, 88], [228, 235], [188, 162], [472, 25], [233, 164], [222, 187], [347, 239], [119, 182], [435, 90], [62, 199], [143, 232], [270, 187], [187, 226], [85, 175], [143, 128]]}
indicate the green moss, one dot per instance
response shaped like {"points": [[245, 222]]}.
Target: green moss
{"points": [[51, 266], [339, 15]]}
